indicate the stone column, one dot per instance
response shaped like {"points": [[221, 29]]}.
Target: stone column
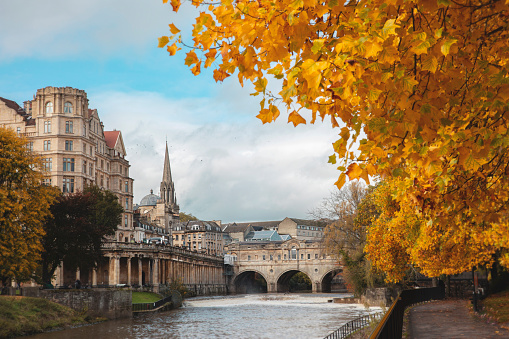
{"points": [[140, 272], [155, 271], [129, 271], [94, 277]]}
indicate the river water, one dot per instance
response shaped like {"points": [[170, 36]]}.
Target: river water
{"points": [[241, 316]]}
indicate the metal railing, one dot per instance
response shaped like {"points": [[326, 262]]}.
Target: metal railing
{"points": [[150, 306], [354, 325], [391, 325]]}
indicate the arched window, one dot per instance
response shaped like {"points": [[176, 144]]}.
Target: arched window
{"points": [[49, 107], [67, 107]]}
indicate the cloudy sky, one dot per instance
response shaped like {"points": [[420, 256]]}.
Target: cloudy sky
{"points": [[225, 164]]}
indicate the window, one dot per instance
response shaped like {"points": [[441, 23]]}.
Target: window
{"points": [[279, 257], [67, 107], [263, 257], [177, 237], [47, 145], [90, 150], [30, 146], [90, 169], [271, 257], [293, 254], [46, 182], [127, 186], [49, 107], [248, 258], [68, 185], [125, 221], [84, 130], [126, 203], [285, 257], [68, 127], [84, 169], [316, 256], [47, 126], [68, 165], [302, 256], [18, 130], [102, 164], [47, 164], [84, 148], [68, 145], [309, 256]]}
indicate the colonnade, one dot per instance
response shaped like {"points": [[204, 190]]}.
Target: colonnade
{"points": [[142, 265]]}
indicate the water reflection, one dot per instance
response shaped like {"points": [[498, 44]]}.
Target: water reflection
{"points": [[242, 316]]}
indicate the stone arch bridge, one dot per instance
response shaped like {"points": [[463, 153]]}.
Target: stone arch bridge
{"points": [[276, 262]]}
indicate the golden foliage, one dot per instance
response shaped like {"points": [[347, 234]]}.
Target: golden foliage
{"points": [[24, 203], [421, 86]]}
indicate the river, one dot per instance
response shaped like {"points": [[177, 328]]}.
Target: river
{"points": [[241, 316]]}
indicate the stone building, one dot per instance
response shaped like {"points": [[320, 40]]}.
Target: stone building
{"points": [[159, 211], [75, 148], [200, 236], [288, 228]]}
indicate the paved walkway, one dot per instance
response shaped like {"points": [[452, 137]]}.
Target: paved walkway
{"points": [[449, 319]]}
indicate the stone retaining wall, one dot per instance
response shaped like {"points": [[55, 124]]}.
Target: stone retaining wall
{"points": [[106, 303], [381, 296]]}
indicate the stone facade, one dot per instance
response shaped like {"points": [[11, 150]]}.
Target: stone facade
{"points": [[200, 236], [75, 148], [278, 261]]}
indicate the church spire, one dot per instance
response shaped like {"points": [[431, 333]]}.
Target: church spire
{"points": [[167, 169], [167, 188]]}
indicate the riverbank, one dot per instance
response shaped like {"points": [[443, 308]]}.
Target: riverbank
{"points": [[25, 315]]}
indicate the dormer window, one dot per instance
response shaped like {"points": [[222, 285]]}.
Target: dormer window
{"points": [[49, 107], [67, 107]]}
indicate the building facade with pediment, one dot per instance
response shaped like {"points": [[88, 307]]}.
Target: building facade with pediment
{"points": [[75, 147]]}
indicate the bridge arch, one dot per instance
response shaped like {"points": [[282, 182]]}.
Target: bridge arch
{"points": [[250, 281], [284, 281], [327, 279]]}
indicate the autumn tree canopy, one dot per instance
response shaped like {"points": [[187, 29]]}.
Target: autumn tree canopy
{"points": [[77, 228], [419, 91], [24, 203]]}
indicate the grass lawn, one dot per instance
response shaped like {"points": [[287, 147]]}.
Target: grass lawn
{"points": [[496, 307], [145, 297], [23, 315]]}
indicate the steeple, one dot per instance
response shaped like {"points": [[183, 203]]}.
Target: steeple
{"points": [[167, 169], [167, 191]]}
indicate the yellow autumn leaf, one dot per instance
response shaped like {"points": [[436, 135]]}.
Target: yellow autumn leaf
{"points": [[296, 119], [163, 41], [173, 29], [353, 171]]}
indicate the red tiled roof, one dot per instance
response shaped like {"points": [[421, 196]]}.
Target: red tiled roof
{"points": [[111, 138]]}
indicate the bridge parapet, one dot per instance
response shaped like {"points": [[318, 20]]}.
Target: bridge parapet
{"points": [[276, 262]]}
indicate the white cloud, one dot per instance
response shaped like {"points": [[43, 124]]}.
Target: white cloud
{"points": [[237, 170], [60, 28]]}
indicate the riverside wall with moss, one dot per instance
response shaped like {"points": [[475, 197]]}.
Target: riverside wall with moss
{"points": [[105, 303]]}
